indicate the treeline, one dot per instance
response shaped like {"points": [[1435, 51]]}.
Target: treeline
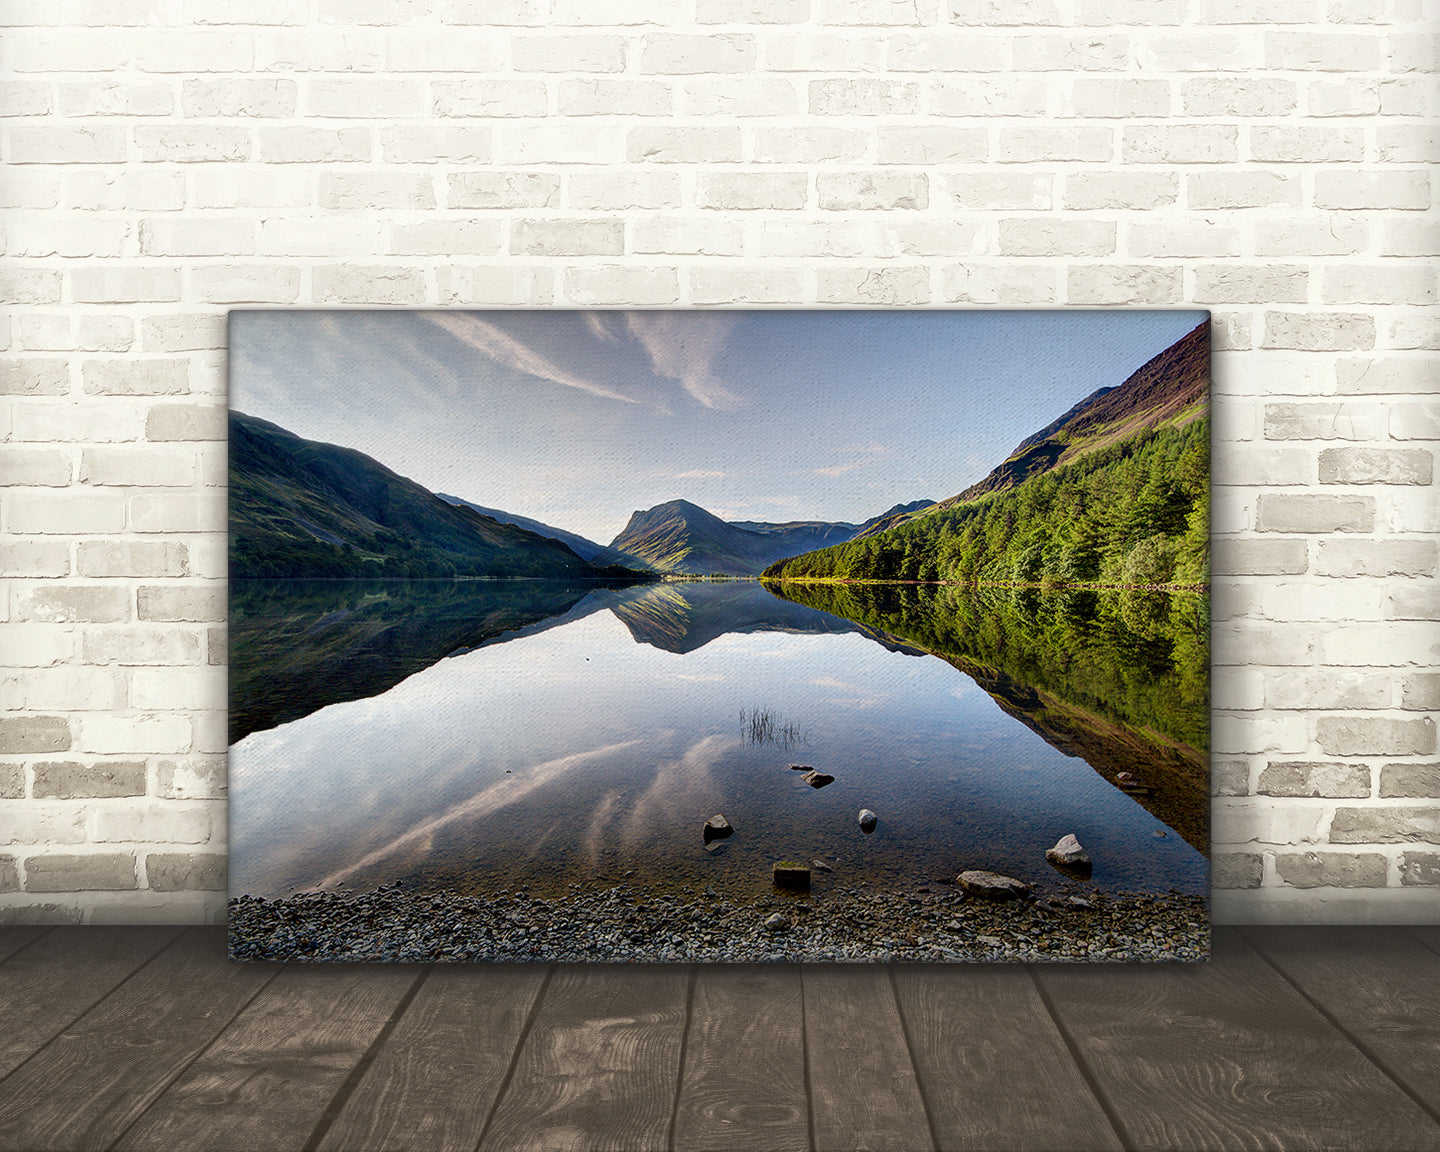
{"points": [[1134, 513]]}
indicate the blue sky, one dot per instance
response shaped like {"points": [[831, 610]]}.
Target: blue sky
{"points": [[579, 418]]}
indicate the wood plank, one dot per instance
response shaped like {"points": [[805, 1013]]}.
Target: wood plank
{"points": [[265, 1083], [744, 1079], [49, 985], [1226, 1055], [440, 1071], [93, 1080], [1379, 984], [598, 1069], [865, 1095], [12, 939], [995, 1070]]}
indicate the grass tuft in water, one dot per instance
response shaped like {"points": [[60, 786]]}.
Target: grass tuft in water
{"points": [[765, 726]]}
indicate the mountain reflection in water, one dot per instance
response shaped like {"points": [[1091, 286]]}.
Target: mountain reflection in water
{"points": [[478, 735]]}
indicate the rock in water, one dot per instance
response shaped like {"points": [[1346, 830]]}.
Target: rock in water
{"points": [[717, 828], [788, 874], [821, 866], [1067, 853], [801, 768], [818, 779], [992, 885], [776, 923], [868, 820]]}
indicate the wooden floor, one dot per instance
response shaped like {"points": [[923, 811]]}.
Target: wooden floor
{"points": [[1291, 1038]]}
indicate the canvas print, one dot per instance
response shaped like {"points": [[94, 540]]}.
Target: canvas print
{"points": [[631, 636]]}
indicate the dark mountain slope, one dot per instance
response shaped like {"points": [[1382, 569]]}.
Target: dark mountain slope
{"points": [[585, 549]]}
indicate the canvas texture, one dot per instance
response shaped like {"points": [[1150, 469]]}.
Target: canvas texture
{"points": [[657, 635]]}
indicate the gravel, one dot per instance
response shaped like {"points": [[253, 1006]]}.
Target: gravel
{"points": [[625, 923]]}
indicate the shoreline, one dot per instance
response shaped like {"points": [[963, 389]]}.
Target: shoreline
{"points": [[627, 924]]}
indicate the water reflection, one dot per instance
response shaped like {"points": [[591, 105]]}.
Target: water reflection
{"points": [[475, 736]]}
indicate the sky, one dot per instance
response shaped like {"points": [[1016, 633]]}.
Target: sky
{"points": [[578, 419]]}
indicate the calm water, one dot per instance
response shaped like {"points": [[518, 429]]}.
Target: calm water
{"points": [[512, 738]]}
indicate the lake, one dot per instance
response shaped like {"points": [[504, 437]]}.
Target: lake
{"points": [[486, 736]]}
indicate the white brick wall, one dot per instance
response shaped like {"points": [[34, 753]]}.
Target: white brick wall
{"points": [[1270, 160]]}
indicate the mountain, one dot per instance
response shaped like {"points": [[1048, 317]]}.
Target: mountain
{"points": [[683, 538], [1113, 491], [891, 517], [585, 549], [306, 508]]}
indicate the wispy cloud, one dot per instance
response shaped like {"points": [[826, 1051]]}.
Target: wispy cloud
{"points": [[698, 474], [867, 453], [503, 348], [684, 347]]}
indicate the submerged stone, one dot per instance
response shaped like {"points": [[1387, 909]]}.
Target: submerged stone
{"points": [[818, 779], [1068, 853], [992, 885], [717, 827], [868, 820], [788, 874]]}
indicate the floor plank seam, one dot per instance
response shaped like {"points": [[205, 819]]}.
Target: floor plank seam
{"points": [[914, 1064], [362, 1066], [805, 1068], [99, 1000], [1355, 1041], [520, 1042], [201, 1051], [1424, 943], [29, 943], [1081, 1064], [684, 1050]]}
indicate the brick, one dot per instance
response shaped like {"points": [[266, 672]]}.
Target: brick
{"points": [[193, 778], [138, 646], [1283, 512], [369, 191], [67, 513], [622, 284], [560, 237], [20, 734], [1005, 284], [183, 333], [1130, 189], [752, 11], [623, 189], [986, 96], [139, 734], [367, 97], [1106, 98], [1393, 282], [1410, 780], [72, 780], [68, 144], [335, 235], [1332, 688], [1056, 237], [673, 54], [125, 285], [1384, 376], [1093, 52], [1378, 645], [131, 558], [1314, 778], [180, 603], [33, 376], [338, 50], [1197, 51], [35, 646], [813, 51], [1230, 778], [563, 144], [1408, 144], [1299, 144], [217, 646], [1386, 825], [1375, 736], [1347, 97], [1420, 691], [1230, 284], [237, 96], [495, 11], [9, 874], [1376, 466], [186, 871], [174, 512], [908, 237], [1420, 868], [863, 96], [1372, 190], [1180, 144], [1028, 145], [1325, 421], [557, 53], [46, 913], [1191, 238], [1332, 869], [872, 190], [1382, 558], [1005, 13], [305, 144], [597, 97], [1242, 189], [1238, 96], [29, 285], [1238, 690], [70, 689], [140, 189], [251, 186], [503, 190], [492, 284], [744, 285], [752, 190], [686, 236], [874, 12], [168, 422], [1253, 643], [1124, 284], [738, 97], [807, 145], [377, 12], [191, 143], [489, 98], [1236, 870], [450, 144], [874, 285], [20, 558], [1413, 331], [356, 284], [1410, 237], [91, 872], [1243, 821], [683, 145], [1321, 52], [446, 237], [169, 822], [931, 144], [1308, 237], [144, 377], [30, 237]]}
